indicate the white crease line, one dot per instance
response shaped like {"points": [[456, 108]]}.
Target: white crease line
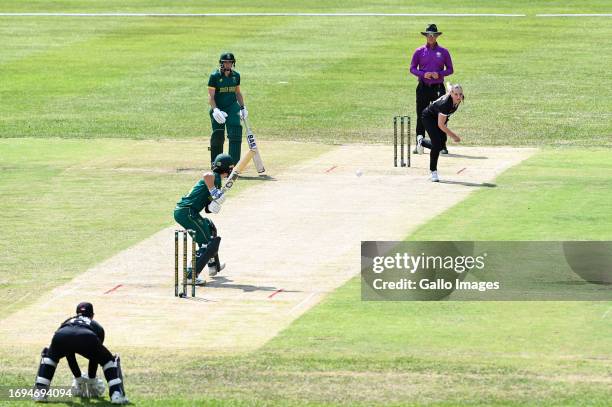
{"points": [[303, 302], [63, 293], [606, 313], [573, 15], [167, 298]]}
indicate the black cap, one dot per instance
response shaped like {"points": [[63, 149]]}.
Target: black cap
{"points": [[431, 29], [85, 309]]}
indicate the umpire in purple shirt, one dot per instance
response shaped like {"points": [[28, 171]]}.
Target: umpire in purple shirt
{"points": [[430, 64]]}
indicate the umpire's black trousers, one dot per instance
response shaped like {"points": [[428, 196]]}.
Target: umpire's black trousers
{"points": [[425, 94]]}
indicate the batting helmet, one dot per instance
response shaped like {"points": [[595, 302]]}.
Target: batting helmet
{"points": [[223, 164], [227, 57]]}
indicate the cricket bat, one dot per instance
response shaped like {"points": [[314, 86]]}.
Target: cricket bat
{"points": [[239, 168], [253, 147]]}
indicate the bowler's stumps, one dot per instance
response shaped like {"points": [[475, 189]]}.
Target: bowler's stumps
{"points": [[404, 131]]}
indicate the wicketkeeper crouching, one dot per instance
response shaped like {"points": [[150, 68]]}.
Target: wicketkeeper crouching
{"points": [[81, 334]]}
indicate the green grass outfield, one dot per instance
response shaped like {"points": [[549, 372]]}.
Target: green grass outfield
{"points": [[345, 351], [528, 81], [98, 113], [311, 6]]}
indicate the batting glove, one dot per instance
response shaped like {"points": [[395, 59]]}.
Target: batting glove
{"points": [[244, 113], [219, 115], [215, 193]]}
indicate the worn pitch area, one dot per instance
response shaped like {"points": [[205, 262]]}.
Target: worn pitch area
{"points": [[287, 242]]}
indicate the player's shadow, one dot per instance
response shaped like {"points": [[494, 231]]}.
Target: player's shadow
{"points": [[192, 169], [469, 184], [198, 299], [256, 178], [85, 402], [224, 282], [469, 157]]}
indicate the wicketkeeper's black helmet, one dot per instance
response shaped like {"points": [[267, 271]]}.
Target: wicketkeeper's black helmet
{"points": [[223, 164], [85, 309]]}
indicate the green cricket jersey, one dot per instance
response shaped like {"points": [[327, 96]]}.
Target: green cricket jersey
{"points": [[225, 88], [199, 196]]}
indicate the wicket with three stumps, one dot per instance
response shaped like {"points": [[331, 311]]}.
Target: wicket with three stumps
{"points": [[185, 234], [404, 130]]}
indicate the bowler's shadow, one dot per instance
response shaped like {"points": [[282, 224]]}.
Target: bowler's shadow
{"points": [[224, 282], [469, 184]]}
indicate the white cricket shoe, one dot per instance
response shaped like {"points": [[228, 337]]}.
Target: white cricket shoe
{"points": [[419, 147], [118, 398], [434, 176], [39, 398], [212, 270], [40, 394], [199, 281]]}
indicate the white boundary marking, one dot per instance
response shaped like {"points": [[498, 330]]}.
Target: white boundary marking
{"points": [[258, 15], [573, 15], [295, 15]]}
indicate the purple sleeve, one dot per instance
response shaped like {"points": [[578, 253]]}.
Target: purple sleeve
{"points": [[413, 66], [448, 63]]}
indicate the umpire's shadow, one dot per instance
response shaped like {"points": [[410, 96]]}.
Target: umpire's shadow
{"points": [[469, 184], [224, 282]]}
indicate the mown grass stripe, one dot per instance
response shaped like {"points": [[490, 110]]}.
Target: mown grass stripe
{"points": [[260, 15]]}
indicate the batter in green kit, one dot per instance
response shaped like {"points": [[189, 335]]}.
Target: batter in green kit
{"points": [[206, 195], [226, 108]]}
